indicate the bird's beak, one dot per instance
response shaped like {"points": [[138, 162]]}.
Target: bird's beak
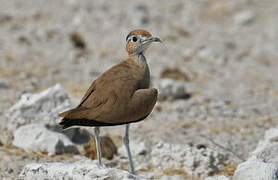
{"points": [[152, 39]]}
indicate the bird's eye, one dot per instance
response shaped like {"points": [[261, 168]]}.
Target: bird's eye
{"points": [[134, 39]]}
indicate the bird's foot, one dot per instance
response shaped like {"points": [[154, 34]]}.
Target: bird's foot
{"points": [[100, 166]]}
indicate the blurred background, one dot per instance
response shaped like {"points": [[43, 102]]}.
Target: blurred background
{"points": [[216, 72]]}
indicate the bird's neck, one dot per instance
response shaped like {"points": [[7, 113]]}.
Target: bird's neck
{"points": [[140, 59], [144, 77]]}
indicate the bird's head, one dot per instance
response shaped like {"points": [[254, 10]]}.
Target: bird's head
{"points": [[138, 41]]}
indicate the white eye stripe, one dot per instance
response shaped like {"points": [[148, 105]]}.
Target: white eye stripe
{"points": [[143, 38], [130, 38]]}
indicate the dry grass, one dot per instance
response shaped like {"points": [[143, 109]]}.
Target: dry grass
{"points": [[228, 170], [173, 171], [231, 129], [264, 120], [34, 70], [216, 9], [11, 150]]}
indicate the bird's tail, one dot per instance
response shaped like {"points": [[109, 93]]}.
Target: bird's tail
{"points": [[69, 119]]}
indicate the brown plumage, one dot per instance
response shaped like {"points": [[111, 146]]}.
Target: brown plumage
{"points": [[120, 95]]}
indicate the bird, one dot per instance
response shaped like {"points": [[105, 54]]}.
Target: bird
{"points": [[120, 96]]}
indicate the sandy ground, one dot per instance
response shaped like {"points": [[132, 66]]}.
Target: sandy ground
{"points": [[228, 50]]}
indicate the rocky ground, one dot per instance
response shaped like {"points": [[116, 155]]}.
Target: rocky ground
{"points": [[222, 95]]}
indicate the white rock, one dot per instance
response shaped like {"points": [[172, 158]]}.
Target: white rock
{"points": [[206, 53], [256, 170], [267, 149], [263, 162], [244, 17], [80, 170], [197, 162], [170, 88], [37, 138], [271, 135], [217, 178], [38, 108]]}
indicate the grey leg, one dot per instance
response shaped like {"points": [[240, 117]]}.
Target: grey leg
{"points": [[97, 140], [126, 143]]}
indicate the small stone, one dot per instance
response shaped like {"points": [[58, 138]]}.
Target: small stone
{"points": [[174, 73], [77, 40], [201, 146], [3, 83], [10, 170], [244, 17], [108, 148], [37, 138], [79, 170]]}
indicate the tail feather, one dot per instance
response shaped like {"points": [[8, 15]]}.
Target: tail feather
{"points": [[66, 123]]}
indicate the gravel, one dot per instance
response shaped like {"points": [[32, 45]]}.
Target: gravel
{"points": [[227, 49]]}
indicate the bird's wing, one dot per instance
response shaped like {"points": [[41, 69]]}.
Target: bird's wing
{"points": [[108, 94]]}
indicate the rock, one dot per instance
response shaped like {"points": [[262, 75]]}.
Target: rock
{"points": [[217, 178], [3, 83], [42, 107], [263, 162], [37, 138], [80, 170], [174, 73], [108, 148], [77, 40], [267, 149], [256, 170], [169, 88], [196, 162], [244, 17]]}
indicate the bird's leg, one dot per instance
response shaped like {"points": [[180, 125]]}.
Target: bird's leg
{"points": [[126, 142], [97, 141]]}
